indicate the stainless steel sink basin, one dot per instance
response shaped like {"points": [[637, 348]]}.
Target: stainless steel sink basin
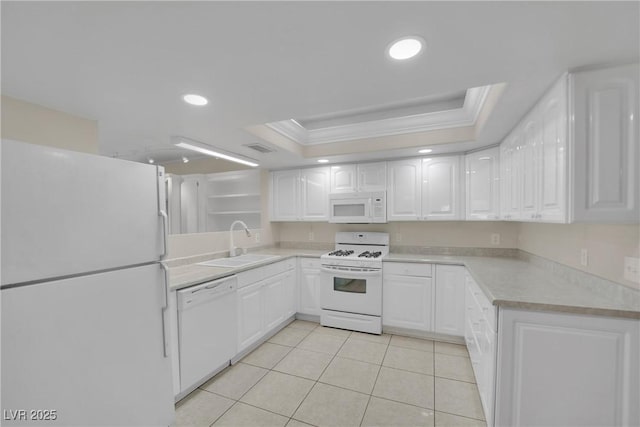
{"points": [[238, 261]]}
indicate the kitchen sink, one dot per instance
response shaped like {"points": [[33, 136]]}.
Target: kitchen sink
{"points": [[238, 261]]}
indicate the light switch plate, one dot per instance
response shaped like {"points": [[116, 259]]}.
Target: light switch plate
{"points": [[632, 269]]}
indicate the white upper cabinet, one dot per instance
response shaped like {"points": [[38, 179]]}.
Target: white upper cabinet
{"points": [[510, 177], [343, 179], [605, 144], [285, 195], [483, 184], [575, 156], [366, 177], [314, 196], [300, 195], [404, 190], [552, 151], [372, 176], [441, 188]]}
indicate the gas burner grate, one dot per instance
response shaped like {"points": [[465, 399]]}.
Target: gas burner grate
{"points": [[341, 252], [368, 254]]}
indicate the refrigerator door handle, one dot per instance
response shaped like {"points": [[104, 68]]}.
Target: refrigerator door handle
{"points": [[165, 232], [165, 306]]}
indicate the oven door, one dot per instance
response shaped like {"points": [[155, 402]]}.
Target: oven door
{"points": [[350, 210], [351, 289]]}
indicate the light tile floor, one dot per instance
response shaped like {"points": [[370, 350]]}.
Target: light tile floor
{"points": [[311, 375]]}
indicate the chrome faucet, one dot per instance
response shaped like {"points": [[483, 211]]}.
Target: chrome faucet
{"points": [[232, 248]]}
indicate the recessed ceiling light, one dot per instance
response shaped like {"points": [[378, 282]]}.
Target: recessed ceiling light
{"points": [[425, 151], [405, 48], [323, 161], [150, 160], [193, 99], [185, 159]]}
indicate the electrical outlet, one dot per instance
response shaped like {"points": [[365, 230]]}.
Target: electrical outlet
{"points": [[398, 237], [632, 269], [584, 257], [257, 237], [495, 239], [312, 236]]}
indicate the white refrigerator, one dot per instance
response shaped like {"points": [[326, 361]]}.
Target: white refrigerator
{"points": [[84, 295]]}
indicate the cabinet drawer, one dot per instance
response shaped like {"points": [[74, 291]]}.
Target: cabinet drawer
{"points": [[478, 304], [310, 263], [248, 277], [407, 269]]}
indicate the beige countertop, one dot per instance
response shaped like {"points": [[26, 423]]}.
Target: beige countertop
{"points": [[507, 282]]}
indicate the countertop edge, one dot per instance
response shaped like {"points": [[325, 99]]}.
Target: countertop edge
{"points": [[429, 259]]}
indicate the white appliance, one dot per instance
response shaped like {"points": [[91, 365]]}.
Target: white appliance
{"points": [[84, 295], [358, 208], [207, 322], [351, 282]]}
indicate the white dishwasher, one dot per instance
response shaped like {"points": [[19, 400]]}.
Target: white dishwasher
{"points": [[207, 328]]}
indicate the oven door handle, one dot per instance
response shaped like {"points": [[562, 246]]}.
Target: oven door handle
{"points": [[351, 270]]}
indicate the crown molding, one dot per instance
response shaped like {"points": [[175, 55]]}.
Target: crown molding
{"points": [[459, 117]]}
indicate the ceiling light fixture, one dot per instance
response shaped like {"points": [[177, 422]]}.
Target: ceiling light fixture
{"points": [[405, 48], [202, 148], [323, 161], [193, 99], [185, 159], [150, 160], [425, 150]]}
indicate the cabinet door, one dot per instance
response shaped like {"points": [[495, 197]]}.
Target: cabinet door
{"points": [[289, 294], [315, 194], [403, 195], [510, 177], [309, 290], [372, 176], [343, 179], [285, 195], [605, 142], [529, 162], [552, 152], [449, 300], [441, 188], [407, 302], [250, 315], [483, 179], [582, 369], [274, 301]]}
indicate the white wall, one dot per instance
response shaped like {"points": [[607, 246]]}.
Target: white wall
{"points": [[35, 124], [427, 234], [607, 245]]}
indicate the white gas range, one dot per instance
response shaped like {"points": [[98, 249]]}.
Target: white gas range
{"points": [[351, 282]]}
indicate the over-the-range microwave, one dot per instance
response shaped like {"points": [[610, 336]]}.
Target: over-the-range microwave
{"points": [[358, 208]]}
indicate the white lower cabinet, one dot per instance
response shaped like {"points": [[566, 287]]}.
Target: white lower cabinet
{"points": [[449, 299], [407, 296], [251, 325], [265, 304], [480, 336], [567, 370], [309, 286]]}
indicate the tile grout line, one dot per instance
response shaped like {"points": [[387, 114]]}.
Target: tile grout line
{"points": [[376, 380], [320, 376], [249, 389]]}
